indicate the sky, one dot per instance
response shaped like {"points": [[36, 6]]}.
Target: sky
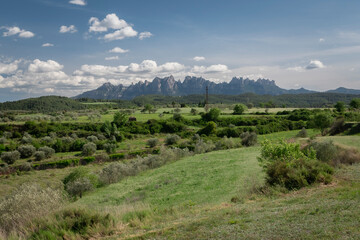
{"points": [[66, 47]]}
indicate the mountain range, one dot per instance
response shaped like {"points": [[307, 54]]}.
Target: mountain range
{"points": [[168, 86]]}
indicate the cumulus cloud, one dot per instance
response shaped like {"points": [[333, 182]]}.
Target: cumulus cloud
{"points": [[112, 58], [8, 68], [78, 2], [118, 50], [144, 35], [111, 21], [38, 66], [321, 40], [11, 31], [313, 64], [68, 29], [146, 66], [198, 58], [121, 34], [47, 45], [210, 69]]}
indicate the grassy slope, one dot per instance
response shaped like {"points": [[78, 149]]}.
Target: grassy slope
{"points": [[190, 199]]}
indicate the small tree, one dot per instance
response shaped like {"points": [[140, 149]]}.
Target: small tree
{"points": [[48, 151], [239, 109], [89, 149], [209, 129], [340, 107], [212, 115], [110, 147], [152, 142], [26, 150], [322, 121], [120, 118], [10, 157], [39, 155], [355, 103], [193, 111], [79, 186], [148, 108], [172, 139]]}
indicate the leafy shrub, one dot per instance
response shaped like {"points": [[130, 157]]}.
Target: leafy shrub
{"points": [[26, 150], [209, 129], [171, 139], [79, 186], [152, 142], [287, 165], [322, 121], [48, 151], [25, 204], [212, 115], [112, 173], [10, 157], [117, 156], [347, 156], [225, 143], [87, 160], [25, 167], [337, 126], [39, 155], [89, 149], [302, 133], [75, 183], [202, 147], [92, 138], [248, 139], [239, 109], [110, 147], [325, 151], [2, 140]]}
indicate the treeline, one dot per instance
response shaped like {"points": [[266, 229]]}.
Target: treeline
{"points": [[307, 100], [43, 104]]}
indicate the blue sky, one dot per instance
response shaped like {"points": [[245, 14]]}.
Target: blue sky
{"points": [[65, 47]]}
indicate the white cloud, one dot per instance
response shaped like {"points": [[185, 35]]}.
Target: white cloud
{"points": [[111, 21], [11, 31], [313, 64], [112, 58], [198, 58], [210, 69], [69, 29], [118, 50], [39, 66], [144, 35], [121, 34], [47, 45], [78, 2], [321, 40], [8, 68]]}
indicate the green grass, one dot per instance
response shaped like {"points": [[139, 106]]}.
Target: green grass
{"points": [[202, 179]]}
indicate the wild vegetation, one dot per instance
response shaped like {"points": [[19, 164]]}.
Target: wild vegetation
{"points": [[155, 172]]}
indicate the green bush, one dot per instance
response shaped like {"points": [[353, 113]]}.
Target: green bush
{"points": [[152, 142], [287, 165], [209, 129], [10, 157], [79, 186], [202, 147], [39, 155], [89, 149], [79, 181], [226, 143], [239, 109], [172, 139], [48, 151], [112, 173], [26, 151], [87, 160], [325, 151], [110, 147], [117, 156], [302, 133], [248, 139], [92, 138], [212, 115]]}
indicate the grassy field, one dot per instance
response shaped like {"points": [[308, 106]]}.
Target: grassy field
{"points": [[192, 199]]}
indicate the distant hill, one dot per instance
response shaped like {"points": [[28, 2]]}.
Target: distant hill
{"points": [[168, 86], [43, 104], [345, 90]]}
